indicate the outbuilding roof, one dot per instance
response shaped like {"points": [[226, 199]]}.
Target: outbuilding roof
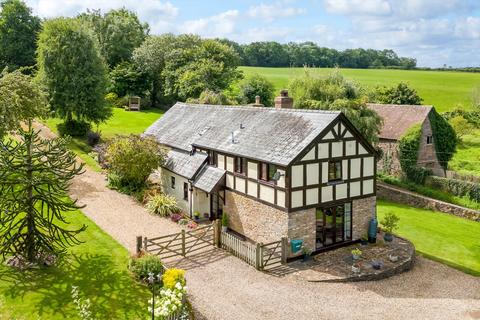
{"points": [[397, 119], [185, 164], [266, 134], [208, 178]]}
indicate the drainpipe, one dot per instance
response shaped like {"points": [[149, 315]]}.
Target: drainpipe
{"points": [[190, 198]]}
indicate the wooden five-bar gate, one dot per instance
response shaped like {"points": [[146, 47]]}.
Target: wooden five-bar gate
{"points": [[261, 256]]}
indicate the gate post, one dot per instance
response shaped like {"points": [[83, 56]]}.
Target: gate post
{"points": [[217, 239], [183, 242], [145, 244], [284, 249], [258, 257], [139, 244]]}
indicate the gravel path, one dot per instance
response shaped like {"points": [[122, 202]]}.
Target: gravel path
{"points": [[223, 287]]}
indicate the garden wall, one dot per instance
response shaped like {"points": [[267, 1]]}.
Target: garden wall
{"points": [[396, 194]]}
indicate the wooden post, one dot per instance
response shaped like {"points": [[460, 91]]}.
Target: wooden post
{"points": [[284, 249], [259, 257], [217, 233], [145, 244], [139, 244], [183, 242]]}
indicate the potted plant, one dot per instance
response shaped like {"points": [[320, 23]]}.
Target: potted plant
{"points": [[356, 268], [224, 222], [196, 215], [356, 254], [364, 240], [389, 223], [307, 253]]}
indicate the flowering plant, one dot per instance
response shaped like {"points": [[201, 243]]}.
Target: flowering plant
{"points": [[170, 302]]}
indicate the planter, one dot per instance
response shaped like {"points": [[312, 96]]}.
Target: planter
{"points": [[224, 228], [388, 237], [356, 257], [363, 242], [306, 257], [355, 269], [393, 258], [196, 218], [377, 265]]}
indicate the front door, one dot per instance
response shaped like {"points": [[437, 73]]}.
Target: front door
{"points": [[334, 225]]}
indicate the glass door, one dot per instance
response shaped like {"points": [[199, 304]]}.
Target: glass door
{"points": [[333, 225]]}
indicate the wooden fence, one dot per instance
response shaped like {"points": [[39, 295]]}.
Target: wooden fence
{"points": [[183, 243]]}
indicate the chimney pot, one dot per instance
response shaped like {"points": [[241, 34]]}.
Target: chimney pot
{"points": [[257, 99], [283, 101]]}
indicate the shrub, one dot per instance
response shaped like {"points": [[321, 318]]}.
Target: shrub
{"points": [[132, 159], [73, 128], [357, 252], [456, 187], [93, 138], [408, 147], [144, 265], [256, 85], [390, 222], [225, 219], [444, 137], [162, 204], [172, 276]]}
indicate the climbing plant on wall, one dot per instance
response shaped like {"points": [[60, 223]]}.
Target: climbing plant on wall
{"points": [[444, 137], [408, 153]]}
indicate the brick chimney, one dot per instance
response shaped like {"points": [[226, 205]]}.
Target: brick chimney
{"points": [[283, 101]]}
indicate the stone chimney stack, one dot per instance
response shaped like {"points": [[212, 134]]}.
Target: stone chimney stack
{"points": [[283, 101], [257, 99], [257, 102]]}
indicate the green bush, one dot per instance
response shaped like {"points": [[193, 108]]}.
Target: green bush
{"points": [[162, 204], [256, 85], [73, 128], [456, 187], [131, 159], [408, 147], [445, 138], [144, 265]]}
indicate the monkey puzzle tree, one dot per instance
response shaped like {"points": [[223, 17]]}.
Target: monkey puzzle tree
{"points": [[35, 175]]}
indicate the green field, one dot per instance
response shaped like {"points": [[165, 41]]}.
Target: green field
{"points": [[439, 236], [442, 89], [98, 267], [467, 158], [121, 122]]}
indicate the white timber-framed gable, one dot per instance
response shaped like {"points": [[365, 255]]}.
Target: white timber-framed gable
{"points": [[342, 148]]}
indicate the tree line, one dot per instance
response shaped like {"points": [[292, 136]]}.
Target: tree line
{"points": [[292, 54]]}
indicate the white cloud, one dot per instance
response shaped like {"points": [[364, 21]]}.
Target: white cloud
{"points": [[265, 34], [358, 7], [270, 12], [220, 25]]}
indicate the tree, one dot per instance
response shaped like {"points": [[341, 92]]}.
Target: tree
{"points": [[150, 57], [20, 100], [336, 93], [401, 93], [72, 70], [18, 34], [35, 175], [118, 32], [461, 126], [126, 79], [256, 85]]}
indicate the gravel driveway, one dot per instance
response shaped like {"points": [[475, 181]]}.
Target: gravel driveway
{"points": [[223, 287]]}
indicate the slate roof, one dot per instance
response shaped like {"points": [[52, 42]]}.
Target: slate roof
{"points": [[397, 119], [271, 135], [208, 178], [184, 164]]}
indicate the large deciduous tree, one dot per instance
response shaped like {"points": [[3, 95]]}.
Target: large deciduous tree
{"points": [[20, 100], [119, 32], [73, 71], [18, 34], [336, 93]]}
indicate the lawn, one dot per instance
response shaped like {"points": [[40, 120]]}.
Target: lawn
{"points": [[121, 122], [441, 89], [438, 236], [98, 267], [467, 158]]}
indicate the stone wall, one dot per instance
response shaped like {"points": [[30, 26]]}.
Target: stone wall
{"points": [[395, 194], [302, 225], [255, 220], [362, 211], [427, 156], [389, 163]]}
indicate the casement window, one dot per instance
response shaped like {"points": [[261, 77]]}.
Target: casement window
{"points": [[185, 191], [239, 165], [211, 158], [429, 139], [267, 171], [334, 170], [172, 182]]}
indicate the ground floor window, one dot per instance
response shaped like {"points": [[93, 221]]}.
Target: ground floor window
{"points": [[185, 191], [333, 225]]}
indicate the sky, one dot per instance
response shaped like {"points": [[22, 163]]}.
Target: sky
{"points": [[435, 32]]}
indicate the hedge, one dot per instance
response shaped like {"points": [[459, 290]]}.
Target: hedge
{"points": [[456, 187]]}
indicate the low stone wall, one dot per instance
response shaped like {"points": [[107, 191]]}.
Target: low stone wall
{"points": [[392, 193]]}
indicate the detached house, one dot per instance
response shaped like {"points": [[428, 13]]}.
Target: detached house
{"points": [[397, 119], [276, 172]]}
